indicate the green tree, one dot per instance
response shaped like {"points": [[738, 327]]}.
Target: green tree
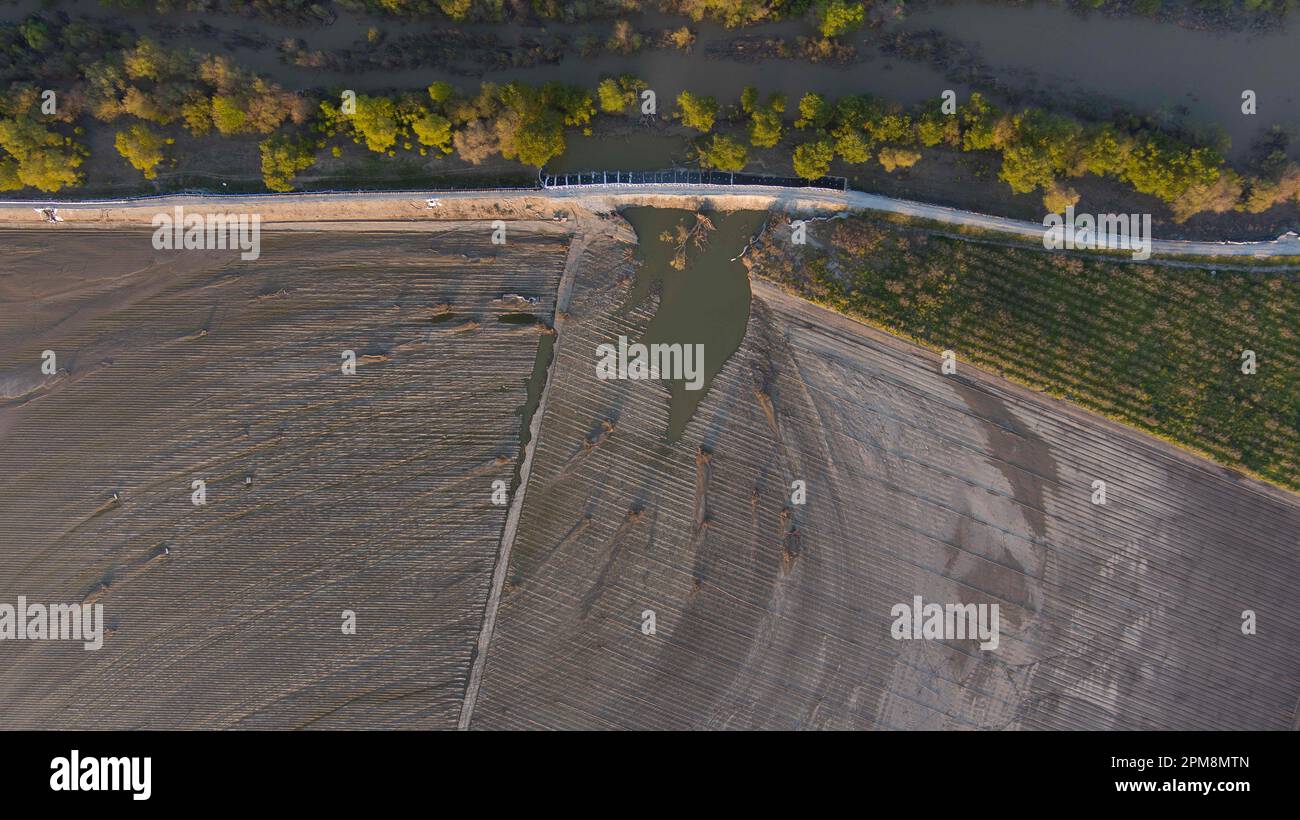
{"points": [[37, 157], [282, 158], [142, 147], [196, 112], [766, 124], [1043, 148], [814, 112], [890, 126], [37, 34], [573, 102], [853, 146], [376, 123], [227, 114], [1166, 168], [813, 159], [617, 94], [536, 140], [149, 61], [433, 130], [697, 112], [730, 13], [934, 127], [724, 153], [531, 126], [1105, 151], [853, 111], [835, 17], [980, 124], [527, 129], [612, 98], [455, 9], [440, 92], [9, 179]]}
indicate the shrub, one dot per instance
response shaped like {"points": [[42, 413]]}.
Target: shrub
{"points": [[892, 157]]}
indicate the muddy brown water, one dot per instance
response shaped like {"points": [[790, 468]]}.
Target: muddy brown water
{"points": [[1178, 75], [648, 151], [534, 385], [705, 303]]}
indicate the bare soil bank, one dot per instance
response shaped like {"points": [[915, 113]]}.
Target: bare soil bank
{"points": [[325, 492], [961, 489], [298, 211]]}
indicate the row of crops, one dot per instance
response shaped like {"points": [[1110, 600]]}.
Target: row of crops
{"points": [[1157, 347]]}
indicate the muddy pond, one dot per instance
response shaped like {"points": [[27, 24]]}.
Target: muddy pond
{"points": [[705, 301]]}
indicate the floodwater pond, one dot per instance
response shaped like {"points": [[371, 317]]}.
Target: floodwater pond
{"points": [[704, 302], [533, 399], [649, 151], [1176, 74]]}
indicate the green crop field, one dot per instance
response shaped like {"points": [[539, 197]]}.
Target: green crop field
{"points": [[1157, 347]]}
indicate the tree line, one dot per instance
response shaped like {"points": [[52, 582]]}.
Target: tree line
{"points": [[151, 94]]}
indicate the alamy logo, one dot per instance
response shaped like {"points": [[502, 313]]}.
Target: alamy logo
{"points": [[1130, 232], [208, 232], [56, 622], [654, 361], [102, 774], [953, 622]]}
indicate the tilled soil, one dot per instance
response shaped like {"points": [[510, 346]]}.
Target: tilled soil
{"points": [[372, 493], [960, 489], [325, 492]]}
